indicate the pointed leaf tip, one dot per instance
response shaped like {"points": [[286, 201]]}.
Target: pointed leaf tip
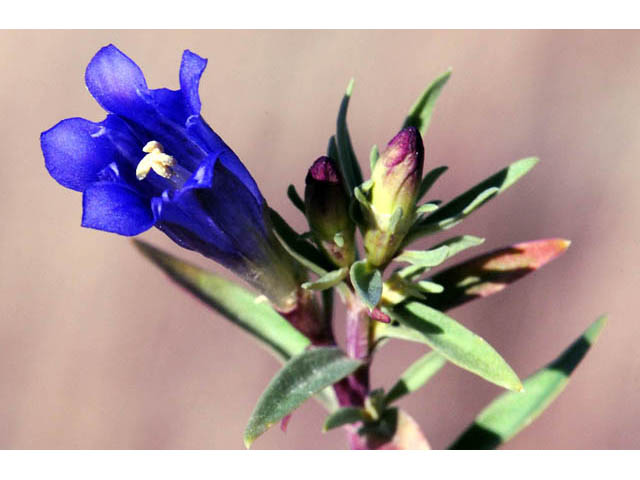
{"points": [[455, 342], [510, 412], [492, 272], [299, 379]]}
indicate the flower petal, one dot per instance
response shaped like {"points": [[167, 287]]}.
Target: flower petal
{"points": [[234, 210], [191, 70], [75, 150], [117, 208], [116, 82], [210, 141]]}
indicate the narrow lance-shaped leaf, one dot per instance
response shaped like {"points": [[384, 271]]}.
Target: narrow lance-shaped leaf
{"points": [[508, 414], [490, 273], [456, 343], [419, 373], [346, 158], [298, 380], [421, 111], [424, 258], [233, 302], [456, 245], [332, 148], [295, 198], [304, 252], [460, 207], [426, 208], [328, 280]]}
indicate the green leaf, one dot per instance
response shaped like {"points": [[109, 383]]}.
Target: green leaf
{"points": [[429, 287], [295, 199], [425, 258], [459, 345], [429, 179], [346, 158], [299, 379], [233, 302], [508, 414], [492, 272], [328, 280], [427, 208], [458, 244], [367, 282], [421, 111], [304, 252], [419, 373], [344, 416], [460, 207], [332, 148], [373, 157], [411, 272]]}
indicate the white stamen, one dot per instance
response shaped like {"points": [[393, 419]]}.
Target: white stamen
{"points": [[156, 160]]}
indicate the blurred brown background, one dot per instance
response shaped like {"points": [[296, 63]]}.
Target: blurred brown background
{"points": [[99, 350]]}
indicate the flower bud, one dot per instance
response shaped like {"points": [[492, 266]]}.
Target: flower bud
{"points": [[396, 181], [327, 209]]}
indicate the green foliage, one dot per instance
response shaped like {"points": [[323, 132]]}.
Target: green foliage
{"points": [[329, 280], [299, 379], [461, 243], [419, 373], [295, 198], [367, 282], [426, 258], [508, 414], [456, 343], [233, 302], [426, 208], [463, 205], [421, 111], [415, 305], [303, 251], [373, 157], [490, 273], [344, 416], [347, 160]]}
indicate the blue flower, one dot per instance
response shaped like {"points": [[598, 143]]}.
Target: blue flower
{"points": [[154, 161]]}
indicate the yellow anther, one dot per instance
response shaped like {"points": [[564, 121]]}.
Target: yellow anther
{"points": [[156, 160]]}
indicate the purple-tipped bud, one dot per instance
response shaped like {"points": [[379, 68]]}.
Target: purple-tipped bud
{"points": [[327, 209], [396, 183]]}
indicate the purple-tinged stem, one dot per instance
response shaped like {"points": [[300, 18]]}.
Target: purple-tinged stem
{"points": [[353, 390], [307, 318]]}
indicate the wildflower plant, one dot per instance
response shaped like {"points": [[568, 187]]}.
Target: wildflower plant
{"points": [[154, 161]]}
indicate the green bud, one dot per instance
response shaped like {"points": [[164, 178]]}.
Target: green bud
{"points": [[396, 182], [327, 209]]}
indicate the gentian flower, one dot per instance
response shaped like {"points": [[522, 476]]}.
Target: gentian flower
{"points": [[154, 161]]}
